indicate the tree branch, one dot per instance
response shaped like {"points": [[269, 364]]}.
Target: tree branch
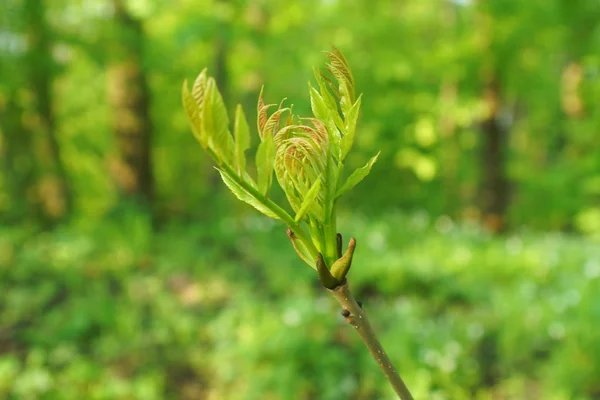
{"points": [[355, 316]]}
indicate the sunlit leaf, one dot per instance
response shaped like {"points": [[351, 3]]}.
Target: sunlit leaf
{"points": [[356, 177], [271, 127], [350, 127], [334, 116], [340, 69], [199, 87], [262, 115], [215, 123], [193, 113], [241, 134], [318, 105], [246, 196], [265, 159], [309, 199], [301, 249]]}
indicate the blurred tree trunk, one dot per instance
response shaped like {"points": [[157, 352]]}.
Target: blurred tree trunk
{"points": [[53, 195], [494, 184], [130, 100]]}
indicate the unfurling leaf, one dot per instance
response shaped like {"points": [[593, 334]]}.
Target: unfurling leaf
{"points": [[241, 193], [339, 68], [350, 127], [301, 249], [241, 134], [309, 199], [318, 105], [356, 177], [334, 117], [265, 160], [199, 87], [215, 123], [261, 110], [192, 110], [271, 127]]}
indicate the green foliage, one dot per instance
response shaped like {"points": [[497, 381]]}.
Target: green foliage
{"points": [[425, 99], [356, 177], [246, 195], [308, 201], [116, 313], [242, 140], [265, 162], [104, 310], [308, 160]]}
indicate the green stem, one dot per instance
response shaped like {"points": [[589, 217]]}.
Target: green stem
{"points": [[280, 212], [316, 234], [331, 239], [356, 317]]}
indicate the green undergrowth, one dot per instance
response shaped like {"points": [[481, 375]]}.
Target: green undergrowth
{"points": [[225, 310]]}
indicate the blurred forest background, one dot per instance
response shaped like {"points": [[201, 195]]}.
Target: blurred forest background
{"points": [[128, 271]]}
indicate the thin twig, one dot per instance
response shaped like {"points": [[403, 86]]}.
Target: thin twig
{"points": [[355, 316]]}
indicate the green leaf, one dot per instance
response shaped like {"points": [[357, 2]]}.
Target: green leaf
{"points": [[318, 105], [215, 123], [241, 134], [325, 116], [261, 113], [301, 249], [340, 69], [356, 177], [265, 160], [334, 116], [271, 127], [350, 127], [245, 195], [323, 91], [199, 87], [193, 113], [309, 199]]}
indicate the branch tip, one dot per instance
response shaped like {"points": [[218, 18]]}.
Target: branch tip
{"points": [[325, 276], [340, 268]]}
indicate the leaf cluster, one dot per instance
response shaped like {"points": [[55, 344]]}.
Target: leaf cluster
{"points": [[306, 154]]}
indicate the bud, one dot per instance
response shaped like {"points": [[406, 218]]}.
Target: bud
{"points": [[300, 162]]}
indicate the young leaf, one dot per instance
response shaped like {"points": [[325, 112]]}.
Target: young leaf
{"points": [[271, 127], [215, 123], [265, 160], [323, 91], [193, 113], [329, 100], [309, 199], [241, 134], [246, 196], [318, 105], [339, 68], [356, 177], [350, 127], [261, 110], [301, 249], [199, 87]]}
